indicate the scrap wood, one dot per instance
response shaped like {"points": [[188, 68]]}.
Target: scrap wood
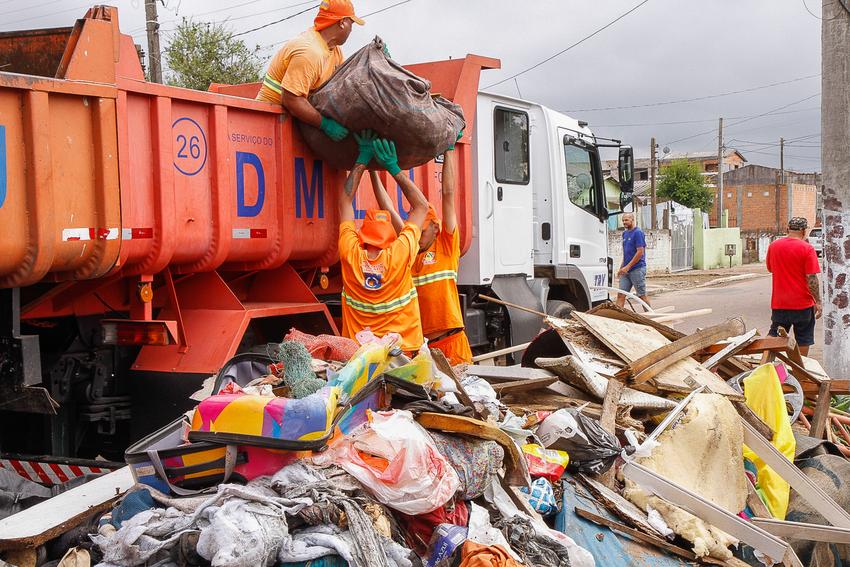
{"points": [[515, 466], [821, 414], [618, 505], [612, 311], [755, 503], [608, 420], [754, 420], [497, 353], [446, 368], [631, 341], [734, 345], [508, 388], [650, 365], [757, 346], [49, 519], [507, 373], [676, 317]]}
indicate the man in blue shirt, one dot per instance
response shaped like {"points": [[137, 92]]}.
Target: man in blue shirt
{"points": [[633, 271]]}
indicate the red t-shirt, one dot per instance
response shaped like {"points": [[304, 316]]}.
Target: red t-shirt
{"points": [[790, 260]]}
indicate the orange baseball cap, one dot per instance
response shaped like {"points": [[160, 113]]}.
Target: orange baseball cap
{"points": [[432, 216], [377, 229], [332, 11]]}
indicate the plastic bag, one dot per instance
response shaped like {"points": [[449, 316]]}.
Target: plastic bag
{"points": [[396, 460], [368, 363], [591, 448], [420, 370], [547, 463], [764, 396], [372, 91], [541, 496]]}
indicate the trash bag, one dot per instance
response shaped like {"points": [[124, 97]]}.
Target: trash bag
{"points": [[547, 463], [541, 496], [372, 91], [398, 463], [591, 448]]}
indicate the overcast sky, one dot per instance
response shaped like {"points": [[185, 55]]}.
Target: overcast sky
{"points": [[665, 50]]}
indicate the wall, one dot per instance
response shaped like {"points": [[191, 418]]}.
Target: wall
{"points": [[710, 245], [754, 207], [658, 250]]}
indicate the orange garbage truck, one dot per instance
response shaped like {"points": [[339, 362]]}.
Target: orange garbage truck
{"points": [[149, 233]]}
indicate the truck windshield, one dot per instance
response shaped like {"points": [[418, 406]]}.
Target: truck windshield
{"points": [[580, 176]]}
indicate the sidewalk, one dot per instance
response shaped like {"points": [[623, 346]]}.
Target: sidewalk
{"points": [[690, 279]]}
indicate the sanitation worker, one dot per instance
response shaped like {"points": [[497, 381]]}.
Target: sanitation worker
{"points": [[377, 265], [306, 62], [435, 270]]}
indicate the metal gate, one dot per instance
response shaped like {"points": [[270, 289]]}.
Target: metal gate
{"points": [[682, 236]]}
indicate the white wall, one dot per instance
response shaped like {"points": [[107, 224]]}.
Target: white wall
{"points": [[658, 250]]}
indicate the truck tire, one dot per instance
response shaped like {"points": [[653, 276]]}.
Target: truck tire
{"points": [[560, 309]]}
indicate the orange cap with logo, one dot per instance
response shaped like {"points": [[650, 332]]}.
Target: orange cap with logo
{"points": [[377, 229], [332, 11]]}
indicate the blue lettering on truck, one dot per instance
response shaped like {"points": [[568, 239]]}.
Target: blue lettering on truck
{"points": [[2, 165], [401, 212], [310, 194], [242, 208]]}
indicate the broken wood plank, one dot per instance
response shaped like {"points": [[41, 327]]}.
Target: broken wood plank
{"points": [[46, 520], [754, 420], [650, 365], [756, 505], [736, 344], [793, 349], [516, 468], [507, 373], [800, 372], [611, 311], [756, 347], [608, 421], [676, 317], [618, 505], [446, 368], [507, 388], [800, 530], [631, 341], [633, 533], [497, 353], [821, 415]]}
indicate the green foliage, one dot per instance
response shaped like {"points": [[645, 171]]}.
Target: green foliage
{"points": [[682, 182], [203, 53]]}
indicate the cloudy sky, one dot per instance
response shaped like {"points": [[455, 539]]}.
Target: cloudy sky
{"points": [[619, 80]]}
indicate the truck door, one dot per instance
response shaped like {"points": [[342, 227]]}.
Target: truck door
{"points": [[585, 213], [509, 189]]}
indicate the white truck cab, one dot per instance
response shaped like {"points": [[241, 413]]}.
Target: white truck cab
{"points": [[539, 219]]}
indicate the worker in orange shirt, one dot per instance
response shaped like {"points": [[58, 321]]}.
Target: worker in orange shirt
{"points": [[435, 270], [377, 265], [306, 62]]}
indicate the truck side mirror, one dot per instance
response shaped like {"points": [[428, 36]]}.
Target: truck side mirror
{"points": [[626, 170]]}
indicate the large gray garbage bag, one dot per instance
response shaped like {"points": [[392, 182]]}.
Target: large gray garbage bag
{"points": [[372, 91]]}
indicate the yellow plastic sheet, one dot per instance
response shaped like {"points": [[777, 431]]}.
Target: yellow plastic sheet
{"points": [[764, 396]]}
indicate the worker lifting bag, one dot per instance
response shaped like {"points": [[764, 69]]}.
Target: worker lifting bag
{"points": [[372, 91]]}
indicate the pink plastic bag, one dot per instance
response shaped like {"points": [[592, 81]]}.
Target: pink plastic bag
{"points": [[417, 478]]}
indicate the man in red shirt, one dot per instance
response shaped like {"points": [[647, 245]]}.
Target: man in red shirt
{"points": [[796, 300]]}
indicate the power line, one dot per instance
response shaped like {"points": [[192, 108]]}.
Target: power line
{"points": [[81, 7], [706, 97], [579, 42], [806, 6], [691, 121], [276, 21]]}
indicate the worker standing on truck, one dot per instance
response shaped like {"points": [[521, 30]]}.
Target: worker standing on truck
{"points": [[435, 270], [632, 273], [306, 62], [377, 265]]}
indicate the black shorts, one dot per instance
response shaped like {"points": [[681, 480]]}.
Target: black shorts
{"points": [[802, 320]]}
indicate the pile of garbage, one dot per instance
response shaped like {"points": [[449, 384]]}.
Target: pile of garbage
{"points": [[617, 437]]}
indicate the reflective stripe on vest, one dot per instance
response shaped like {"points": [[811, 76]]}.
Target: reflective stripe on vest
{"points": [[384, 307], [435, 277], [272, 84]]}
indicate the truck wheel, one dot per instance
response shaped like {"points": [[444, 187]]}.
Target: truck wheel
{"points": [[560, 309]]}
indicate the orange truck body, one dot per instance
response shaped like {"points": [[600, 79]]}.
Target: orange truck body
{"points": [[201, 209]]}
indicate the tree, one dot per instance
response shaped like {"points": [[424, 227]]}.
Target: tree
{"points": [[202, 53], [682, 182]]}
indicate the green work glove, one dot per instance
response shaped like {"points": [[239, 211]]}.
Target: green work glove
{"points": [[333, 129], [364, 144], [459, 136], [387, 51], [386, 155]]}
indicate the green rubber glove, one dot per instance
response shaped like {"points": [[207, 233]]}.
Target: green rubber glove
{"points": [[387, 51], [459, 136], [364, 143], [386, 155], [333, 129]]}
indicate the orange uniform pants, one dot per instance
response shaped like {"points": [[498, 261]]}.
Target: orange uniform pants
{"points": [[455, 347]]}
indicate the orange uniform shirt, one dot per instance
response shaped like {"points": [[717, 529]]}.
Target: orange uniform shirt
{"points": [[301, 66], [435, 277], [380, 293]]}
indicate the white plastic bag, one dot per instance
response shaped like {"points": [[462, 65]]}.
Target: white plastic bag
{"points": [[417, 478]]}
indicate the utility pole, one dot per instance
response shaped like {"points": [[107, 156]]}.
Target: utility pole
{"points": [[782, 159], [653, 197], [835, 151], [154, 54], [720, 173]]}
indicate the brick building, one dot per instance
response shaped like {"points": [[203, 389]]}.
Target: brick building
{"points": [[756, 200]]}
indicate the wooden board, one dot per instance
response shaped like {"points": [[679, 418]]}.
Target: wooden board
{"points": [[632, 341], [51, 518], [618, 505], [506, 373], [519, 386]]}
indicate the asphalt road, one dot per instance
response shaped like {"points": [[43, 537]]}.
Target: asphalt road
{"points": [[749, 299]]}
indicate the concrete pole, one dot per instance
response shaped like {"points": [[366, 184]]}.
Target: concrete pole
{"points": [[154, 54], [835, 158], [653, 197], [720, 173]]}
